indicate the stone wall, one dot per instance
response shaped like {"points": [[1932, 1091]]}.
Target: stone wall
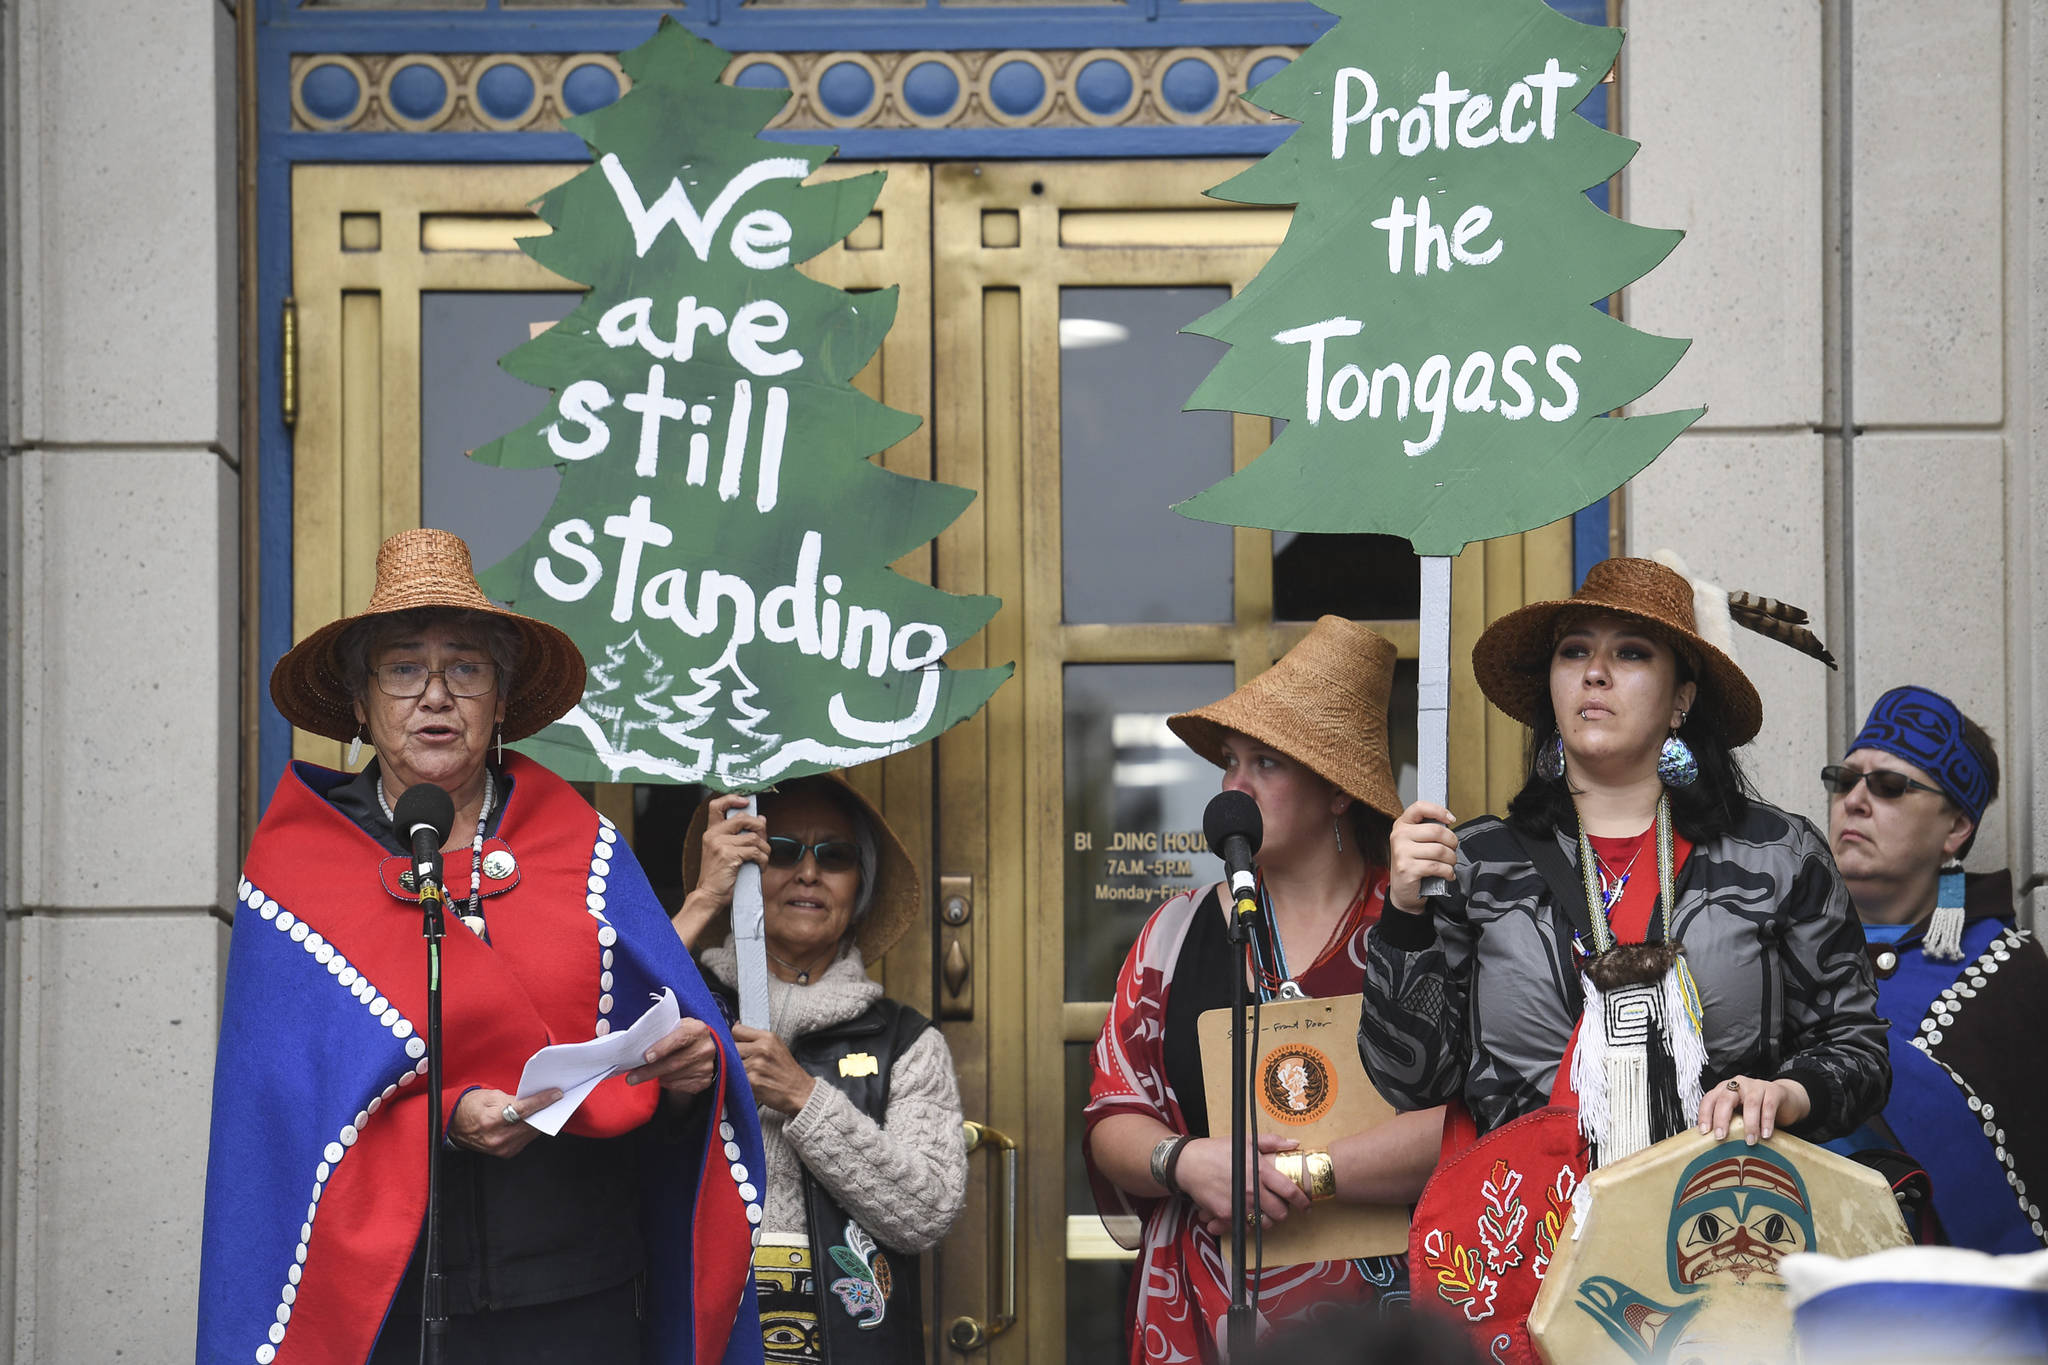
{"points": [[1862, 274], [122, 602]]}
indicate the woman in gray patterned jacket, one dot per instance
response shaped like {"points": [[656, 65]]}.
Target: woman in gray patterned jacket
{"points": [[1720, 955]]}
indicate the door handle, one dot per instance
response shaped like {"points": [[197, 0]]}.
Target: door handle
{"points": [[971, 1334]]}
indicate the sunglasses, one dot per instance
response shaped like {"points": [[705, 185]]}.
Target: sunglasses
{"points": [[832, 855], [1884, 783]]}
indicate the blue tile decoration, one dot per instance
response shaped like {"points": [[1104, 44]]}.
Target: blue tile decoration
{"points": [[1190, 85], [417, 92], [761, 76], [505, 91], [330, 91], [589, 87], [931, 89], [1018, 88], [1104, 86], [426, 94], [1265, 69], [846, 89]]}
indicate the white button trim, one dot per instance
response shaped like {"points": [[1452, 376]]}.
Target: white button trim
{"points": [[1945, 1012], [328, 962]]}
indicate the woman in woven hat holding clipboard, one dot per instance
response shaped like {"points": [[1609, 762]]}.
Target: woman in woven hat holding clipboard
{"points": [[622, 1236], [1307, 740], [1689, 947]]}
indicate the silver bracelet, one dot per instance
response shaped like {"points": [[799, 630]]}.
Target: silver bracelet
{"points": [[1164, 1155]]}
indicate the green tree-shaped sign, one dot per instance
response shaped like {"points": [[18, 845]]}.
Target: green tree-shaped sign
{"points": [[721, 542], [1427, 328]]}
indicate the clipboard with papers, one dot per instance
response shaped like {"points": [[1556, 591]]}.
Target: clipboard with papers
{"points": [[1308, 1084]]}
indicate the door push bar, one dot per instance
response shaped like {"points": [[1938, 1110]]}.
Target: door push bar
{"points": [[971, 1334]]}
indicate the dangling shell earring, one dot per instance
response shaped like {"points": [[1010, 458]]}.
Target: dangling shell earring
{"points": [[1550, 759], [501, 744], [1676, 765], [355, 748], [1944, 938], [1338, 826]]}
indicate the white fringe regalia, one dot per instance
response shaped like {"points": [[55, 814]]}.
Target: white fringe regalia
{"points": [[1636, 1039], [1640, 1051]]}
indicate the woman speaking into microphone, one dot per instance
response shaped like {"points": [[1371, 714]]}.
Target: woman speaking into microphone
{"points": [[625, 1238], [1307, 740]]}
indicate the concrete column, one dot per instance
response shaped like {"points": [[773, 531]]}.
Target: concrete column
{"points": [[119, 521], [1726, 100], [1927, 560], [1865, 275]]}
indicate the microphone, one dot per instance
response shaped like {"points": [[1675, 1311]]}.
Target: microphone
{"points": [[423, 816], [1235, 829]]}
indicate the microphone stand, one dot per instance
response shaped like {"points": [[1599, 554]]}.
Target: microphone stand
{"points": [[433, 1305], [1240, 1325]]}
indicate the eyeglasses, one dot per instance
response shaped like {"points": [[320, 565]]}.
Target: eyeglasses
{"points": [[1884, 783], [832, 855], [464, 678]]}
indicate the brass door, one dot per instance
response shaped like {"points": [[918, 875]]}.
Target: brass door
{"points": [[408, 285], [1067, 809]]}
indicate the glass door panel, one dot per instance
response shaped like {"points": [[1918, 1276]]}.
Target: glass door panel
{"points": [[465, 401], [1127, 451]]}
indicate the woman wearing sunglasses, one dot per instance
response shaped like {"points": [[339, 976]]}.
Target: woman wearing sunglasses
{"points": [[1966, 990], [860, 1112]]}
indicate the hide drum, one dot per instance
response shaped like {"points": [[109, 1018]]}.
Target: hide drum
{"points": [[1674, 1256]]}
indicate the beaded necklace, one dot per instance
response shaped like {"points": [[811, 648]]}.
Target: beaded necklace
{"points": [[1598, 905], [1611, 884], [475, 918]]}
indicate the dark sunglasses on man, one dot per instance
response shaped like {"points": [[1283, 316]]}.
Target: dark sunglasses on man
{"points": [[832, 855], [1885, 784]]}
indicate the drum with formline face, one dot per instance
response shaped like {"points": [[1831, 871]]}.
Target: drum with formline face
{"points": [[1675, 1250]]}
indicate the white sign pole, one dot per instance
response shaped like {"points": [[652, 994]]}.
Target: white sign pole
{"points": [[1433, 692], [750, 935]]}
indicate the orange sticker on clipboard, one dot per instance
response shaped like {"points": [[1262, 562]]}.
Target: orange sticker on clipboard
{"points": [[1297, 1084]]}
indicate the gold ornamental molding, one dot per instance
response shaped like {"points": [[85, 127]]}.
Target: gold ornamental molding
{"points": [[419, 92]]}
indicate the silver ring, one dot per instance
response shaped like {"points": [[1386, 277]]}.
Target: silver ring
{"points": [[511, 1113]]}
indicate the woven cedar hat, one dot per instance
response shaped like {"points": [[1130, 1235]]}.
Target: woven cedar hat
{"points": [[1324, 705], [427, 569], [899, 894], [1512, 658]]}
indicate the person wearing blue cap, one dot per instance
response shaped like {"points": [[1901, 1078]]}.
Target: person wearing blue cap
{"points": [[1966, 990]]}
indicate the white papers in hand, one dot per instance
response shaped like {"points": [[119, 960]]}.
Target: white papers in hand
{"points": [[576, 1068]]}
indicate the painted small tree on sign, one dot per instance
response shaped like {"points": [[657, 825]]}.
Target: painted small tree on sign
{"points": [[721, 542], [1427, 328]]}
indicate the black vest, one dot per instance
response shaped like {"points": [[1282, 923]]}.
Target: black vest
{"points": [[868, 1298]]}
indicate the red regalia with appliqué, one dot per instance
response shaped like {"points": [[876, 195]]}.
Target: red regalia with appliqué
{"points": [[1487, 1226], [1180, 1296]]}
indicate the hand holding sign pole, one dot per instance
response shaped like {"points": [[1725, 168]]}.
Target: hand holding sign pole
{"points": [[1428, 328], [721, 543], [750, 937]]}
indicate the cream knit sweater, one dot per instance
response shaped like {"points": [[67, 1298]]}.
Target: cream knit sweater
{"points": [[905, 1180]]}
